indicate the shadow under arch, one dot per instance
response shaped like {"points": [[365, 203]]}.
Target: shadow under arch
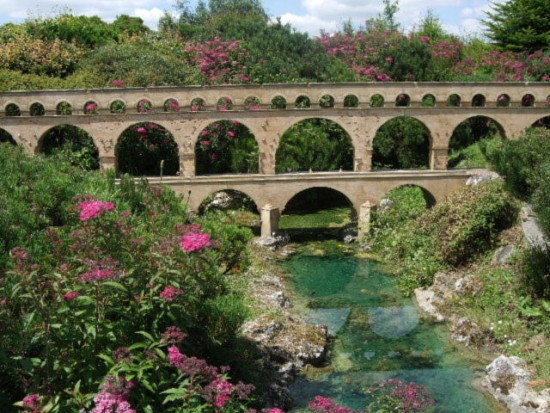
{"points": [[316, 144], [6, 137], [543, 122], [318, 213], [147, 149], [469, 140], [76, 142], [226, 147], [402, 142]]}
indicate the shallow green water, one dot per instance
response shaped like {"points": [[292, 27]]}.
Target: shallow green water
{"points": [[379, 336]]}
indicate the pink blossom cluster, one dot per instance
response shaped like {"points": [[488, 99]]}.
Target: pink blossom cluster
{"points": [[70, 296], [94, 209], [221, 62], [173, 335], [414, 397], [91, 107], [106, 269], [114, 396], [32, 403], [195, 241], [327, 405], [171, 293]]}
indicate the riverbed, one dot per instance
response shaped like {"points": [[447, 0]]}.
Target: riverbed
{"points": [[379, 334]]}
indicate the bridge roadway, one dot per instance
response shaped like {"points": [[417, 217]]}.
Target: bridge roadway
{"points": [[272, 192]]}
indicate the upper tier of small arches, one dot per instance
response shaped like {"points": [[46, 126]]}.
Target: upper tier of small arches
{"points": [[273, 97]]}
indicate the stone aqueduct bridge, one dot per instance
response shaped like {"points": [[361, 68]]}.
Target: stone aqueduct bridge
{"points": [[529, 102]]}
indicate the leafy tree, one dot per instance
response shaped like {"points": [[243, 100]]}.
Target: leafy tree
{"points": [[520, 25], [125, 25], [316, 144]]}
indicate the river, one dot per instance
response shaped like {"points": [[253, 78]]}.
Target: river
{"points": [[379, 335]]}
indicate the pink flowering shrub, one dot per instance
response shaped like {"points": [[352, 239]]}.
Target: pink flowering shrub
{"points": [[400, 396], [195, 241], [94, 209], [221, 62], [104, 295]]}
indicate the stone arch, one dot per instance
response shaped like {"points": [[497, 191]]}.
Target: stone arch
{"points": [[503, 100], [226, 146], [12, 109], [428, 196], [225, 103], [37, 109], [479, 100], [315, 143], [6, 137], [171, 105], [252, 103], [147, 148], [302, 102], [468, 133], [198, 104], [91, 108], [454, 100], [249, 202], [402, 142], [285, 201], [326, 101], [145, 105], [278, 102], [377, 101], [528, 100], [64, 108], [429, 100], [118, 106], [402, 100], [351, 101], [74, 139]]}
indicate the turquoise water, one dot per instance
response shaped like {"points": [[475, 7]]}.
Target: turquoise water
{"points": [[379, 336]]}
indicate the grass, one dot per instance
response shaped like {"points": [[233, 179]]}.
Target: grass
{"points": [[325, 218]]}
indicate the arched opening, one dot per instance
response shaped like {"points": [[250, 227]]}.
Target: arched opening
{"points": [[428, 101], [326, 102], [471, 140], [236, 206], [351, 101], [147, 149], [37, 109], [226, 147], [314, 144], [503, 100], [145, 106], [402, 100], [401, 143], [198, 105], [478, 100], [528, 100], [5, 137], [13, 110], [64, 109], [454, 100], [252, 103], [278, 102], [542, 123], [224, 103], [376, 101], [172, 105], [91, 108], [76, 143], [302, 102], [317, 213], [118, 106]]}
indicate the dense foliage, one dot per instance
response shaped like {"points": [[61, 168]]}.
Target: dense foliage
{"points": [[109, 289]]}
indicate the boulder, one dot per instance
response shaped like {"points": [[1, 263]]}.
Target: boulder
{"points": [[532, 231], [426, 299], [508, 381], [503, 254], [481, 178]]}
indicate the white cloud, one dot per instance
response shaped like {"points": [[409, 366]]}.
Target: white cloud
{"points": [[467, 12], [150, 16]]}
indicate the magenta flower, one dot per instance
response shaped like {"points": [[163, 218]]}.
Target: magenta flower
{"points": [[274, 410], [173, 335], [231, 134], [93, 209], [206, 143], [119, 83], [175, 356], [98, 274], [170, 293], [32, 402], [195, 241], [71, 296]]}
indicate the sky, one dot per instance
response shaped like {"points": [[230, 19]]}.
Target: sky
{"points": [[461, 17]]}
